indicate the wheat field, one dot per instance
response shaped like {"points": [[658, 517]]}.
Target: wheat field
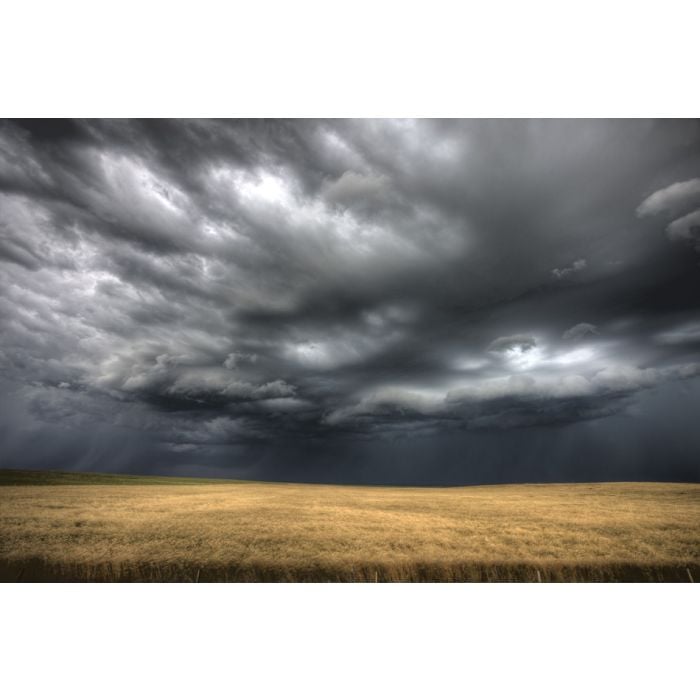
{"points": [[72, 527]]}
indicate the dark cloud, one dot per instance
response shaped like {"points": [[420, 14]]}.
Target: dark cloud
{"points": [[377, 300], [579, 331]]}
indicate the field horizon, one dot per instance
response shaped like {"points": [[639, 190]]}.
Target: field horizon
{"points": [[13, 477], [87, 526]]}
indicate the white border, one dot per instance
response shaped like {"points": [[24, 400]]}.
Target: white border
{"points": [[348, 641], [366, 58]]}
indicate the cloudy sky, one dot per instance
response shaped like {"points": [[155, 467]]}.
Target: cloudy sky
{"points": [[428, 302]]}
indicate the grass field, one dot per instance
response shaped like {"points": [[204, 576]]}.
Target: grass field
{"points": [[85, 527]]}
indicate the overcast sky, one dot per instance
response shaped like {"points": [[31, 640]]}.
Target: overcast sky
{"points": [[429, 302]]}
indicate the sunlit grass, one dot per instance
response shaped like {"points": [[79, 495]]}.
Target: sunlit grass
{"points": [[180, 530]]}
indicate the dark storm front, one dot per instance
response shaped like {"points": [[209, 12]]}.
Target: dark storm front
{"points": [[369, 301]]}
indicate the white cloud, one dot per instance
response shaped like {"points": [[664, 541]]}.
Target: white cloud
{"points": [[346, 348], [521, 386], [469, 363], [573, 357], [538, 396], [625, 378], [235, 359], [676, 199], [687, 333], [670, 198], [519, 351], [519, 342], [352, 188], [30, 237], [687, 228], [577, 266], [127, 191], [390, 400]]}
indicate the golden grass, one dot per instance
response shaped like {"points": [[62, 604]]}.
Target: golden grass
{"points": [[243, 531]]}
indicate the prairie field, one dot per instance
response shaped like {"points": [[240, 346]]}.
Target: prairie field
{"points": [[87, 527]]}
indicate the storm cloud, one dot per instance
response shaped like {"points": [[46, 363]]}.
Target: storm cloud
{"points": [[430, 301]]}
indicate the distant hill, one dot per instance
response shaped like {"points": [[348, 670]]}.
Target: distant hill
{"points": [[20, 477]]}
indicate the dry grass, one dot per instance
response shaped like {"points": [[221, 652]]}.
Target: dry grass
{"points": [[243, 531]]}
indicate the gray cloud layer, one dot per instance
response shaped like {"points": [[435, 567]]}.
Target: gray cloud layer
{"points": [[303, 299]]}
